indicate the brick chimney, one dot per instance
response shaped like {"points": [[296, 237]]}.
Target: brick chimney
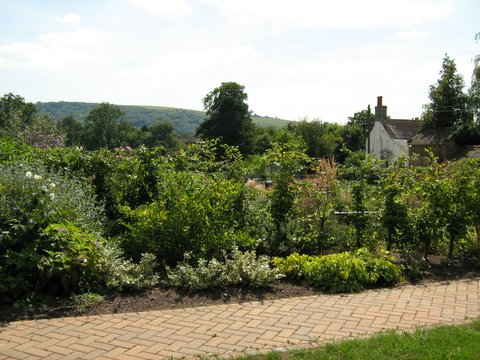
{"points": [[380, 110]]}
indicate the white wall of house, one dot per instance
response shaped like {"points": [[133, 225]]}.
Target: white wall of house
{"points": [[383, 146]]}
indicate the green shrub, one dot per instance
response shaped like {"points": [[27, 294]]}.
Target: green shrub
{"points": [[239, 269], [193, 213], [344, 272], [68, 257], [12, 150], [120, 274]]}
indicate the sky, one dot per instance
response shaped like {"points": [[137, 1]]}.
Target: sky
{"points": [[313, 59]]}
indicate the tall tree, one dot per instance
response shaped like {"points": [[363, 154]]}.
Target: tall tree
{"points": [[228, 117], [448, 106], [364, 120], [73, 130], [474, 91], [102, 126]]}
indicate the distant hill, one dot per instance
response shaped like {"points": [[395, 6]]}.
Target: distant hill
{"points": [[184, 121]]}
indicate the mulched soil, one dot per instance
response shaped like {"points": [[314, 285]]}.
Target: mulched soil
{"points": [[162, 298]]}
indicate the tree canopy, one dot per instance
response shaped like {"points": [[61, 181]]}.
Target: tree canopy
{"points": [[159, 133], [15, 112], [474, 91], [102, 126], [448, 106], [228, 117]]}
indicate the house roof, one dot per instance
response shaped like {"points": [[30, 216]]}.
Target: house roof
{"points": [[401, 129], [432, 136]]}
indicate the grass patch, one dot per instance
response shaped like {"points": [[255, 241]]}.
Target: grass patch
{"points": [[443, 342], [84, 301]]}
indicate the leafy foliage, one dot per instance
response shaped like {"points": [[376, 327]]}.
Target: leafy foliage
{"points": [[321, 138], [344, 272], [237, 269], [193, 213], [120, 274], [228, 117], [15, 114], [34, 202], [103, 127], [66, 256], [448, 101]]}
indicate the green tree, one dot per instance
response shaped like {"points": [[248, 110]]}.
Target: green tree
{"points": [[159, 133], [73, 130], [263, 138], [322, 139], [15, 114], [353, 138], [102, 126], [364, 120], [474, 91], [128, 135], [448, 106], [228, 117]]}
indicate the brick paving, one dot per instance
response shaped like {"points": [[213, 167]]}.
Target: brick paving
{"points": [[233, 329]]}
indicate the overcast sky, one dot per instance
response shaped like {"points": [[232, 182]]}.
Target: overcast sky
{"points": [[305, 58]]}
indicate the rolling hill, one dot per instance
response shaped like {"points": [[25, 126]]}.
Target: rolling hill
{"points": [[184, 121]]}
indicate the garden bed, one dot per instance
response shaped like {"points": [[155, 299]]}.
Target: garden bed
{"points": [[160, 298]]}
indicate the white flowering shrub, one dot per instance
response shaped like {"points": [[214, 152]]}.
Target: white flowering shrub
{"points": [[33, 203], [240, 268]]}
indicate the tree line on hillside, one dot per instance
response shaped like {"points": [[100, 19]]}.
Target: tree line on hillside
{"points": [[228, 118], [184, 121], [104, 127]]}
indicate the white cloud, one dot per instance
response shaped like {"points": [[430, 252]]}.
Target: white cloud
{"points": [[413, 35], [331, 91], [69, 19], [54, 51], [169, 8], [333, 14], [182, 78]]}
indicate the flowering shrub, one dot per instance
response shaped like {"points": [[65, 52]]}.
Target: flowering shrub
{"points": [[31, 200], [44, 140], [239, 269]]}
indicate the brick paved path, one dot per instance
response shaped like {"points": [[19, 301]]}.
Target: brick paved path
{"points": [[227, 330]]}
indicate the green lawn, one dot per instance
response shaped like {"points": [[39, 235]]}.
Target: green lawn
{"points": [[443, 342]]}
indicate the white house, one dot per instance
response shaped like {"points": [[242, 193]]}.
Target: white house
{"points": [[389, 137]]}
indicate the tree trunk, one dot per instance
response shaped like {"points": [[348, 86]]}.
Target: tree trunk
{"points": [[426, 244], [451, 245], [477, 229], [389, 239]]}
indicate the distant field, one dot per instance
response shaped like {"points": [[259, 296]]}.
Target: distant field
{"points": [[184, 121], [268, 121]]}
